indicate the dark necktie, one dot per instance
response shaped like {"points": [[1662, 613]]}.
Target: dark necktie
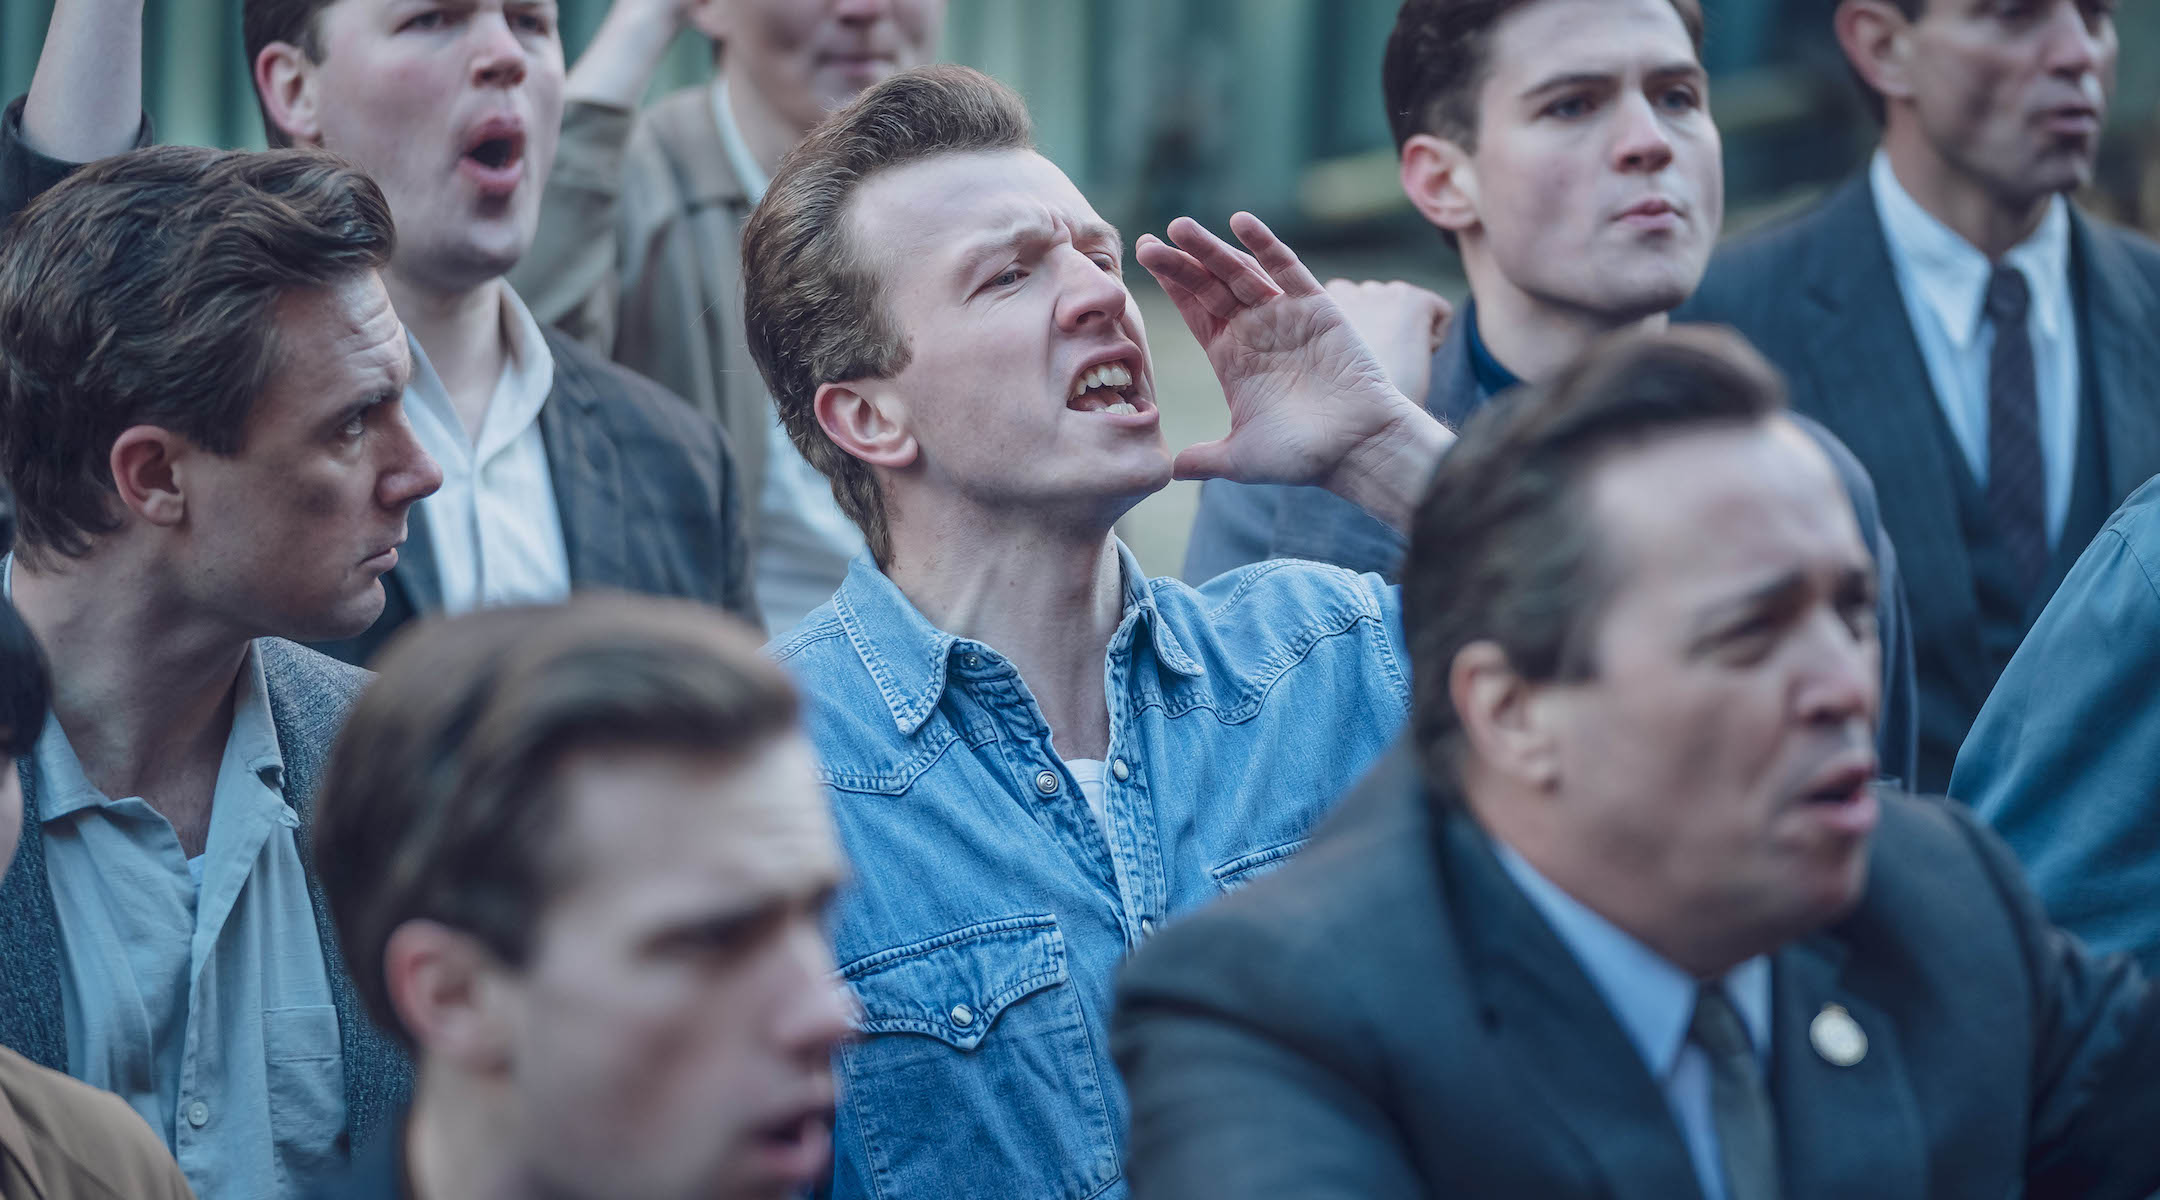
{"points": [[1739, 1100], [2017, 478]]}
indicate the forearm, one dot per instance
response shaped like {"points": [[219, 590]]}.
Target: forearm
{"points": [[1387, 474], [85, 100], [625, 53]]}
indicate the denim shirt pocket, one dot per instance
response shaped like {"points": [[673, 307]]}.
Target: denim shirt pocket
{"points": [[982, 1021], [1245, 868]]}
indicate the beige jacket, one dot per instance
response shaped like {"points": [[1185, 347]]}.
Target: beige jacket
{"points": [[638, 257], [61, 1139]]}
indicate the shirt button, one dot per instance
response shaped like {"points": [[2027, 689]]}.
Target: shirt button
{"points": [[1147, 926], [198, 1114], [962, 1015], [973, 661], [1047, 783], [1119, 769]]}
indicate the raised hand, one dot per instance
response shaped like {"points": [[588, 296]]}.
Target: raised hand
{"points": [[1402, 322], [1309, 402]]}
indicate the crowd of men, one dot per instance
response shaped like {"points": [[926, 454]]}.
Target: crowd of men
{"points": [[553, 650]]}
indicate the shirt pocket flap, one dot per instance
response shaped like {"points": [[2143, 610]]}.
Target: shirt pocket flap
{"points": [[1240, 871], [953, 987]]}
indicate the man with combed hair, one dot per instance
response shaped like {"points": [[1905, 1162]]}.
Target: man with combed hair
{"points": [[60, 1139], [1625, 915], [1037, 754], [1564, 149], [200, 382], [1983, 346], [579, 858], [562, 470], [639, 247]]}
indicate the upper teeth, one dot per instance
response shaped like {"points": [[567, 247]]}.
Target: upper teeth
{"points": [[1108, 375]]}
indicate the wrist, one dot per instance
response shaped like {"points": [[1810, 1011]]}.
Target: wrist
{"points": [[1387, 471]]}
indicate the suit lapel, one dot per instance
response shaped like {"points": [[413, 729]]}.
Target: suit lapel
{"points": [[1875, 394], [587, 474], [1853, 1132], [2118, 316], [1575, 1058]]}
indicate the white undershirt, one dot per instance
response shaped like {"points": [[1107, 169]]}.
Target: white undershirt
{"points": [[494, 526], [1088, 773], [804, 541]]}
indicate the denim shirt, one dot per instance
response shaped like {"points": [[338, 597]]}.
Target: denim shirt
{"points": [[988, 910]]}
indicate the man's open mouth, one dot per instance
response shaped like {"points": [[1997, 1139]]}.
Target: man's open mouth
{"points": [[498, 152], [1105, 388]]}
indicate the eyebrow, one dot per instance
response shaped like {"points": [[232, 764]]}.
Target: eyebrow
{"points": [[1781, 592], [1679, 68], [1027, 231]]}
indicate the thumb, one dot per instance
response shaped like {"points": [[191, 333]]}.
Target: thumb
{"points": [[1208, 460]]}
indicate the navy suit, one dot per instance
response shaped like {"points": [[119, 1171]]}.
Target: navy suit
{"points": [[1820, 298], [1388, 1017], [1242, 523]]}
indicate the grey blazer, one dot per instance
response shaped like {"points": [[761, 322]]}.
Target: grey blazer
{"points": [[646, 490], [1389, 1018], [1242, 523], [1820, 298], [309, 696]]}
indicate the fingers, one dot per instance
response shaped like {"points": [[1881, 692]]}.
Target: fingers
{"points": [[1208, 460], [1275, 257], [1179, 271], [1163, 262], [1233, 268]]}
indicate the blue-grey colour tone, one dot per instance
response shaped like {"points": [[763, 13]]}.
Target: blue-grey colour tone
{"points": [[1389, 1018], [1820, 298], [987, 909], [2064, 759]]}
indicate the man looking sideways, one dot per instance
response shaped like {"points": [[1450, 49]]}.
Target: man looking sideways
{"points": [[1036, 753], [200, 382], [561, 470], [639, 248], [578, 858]]}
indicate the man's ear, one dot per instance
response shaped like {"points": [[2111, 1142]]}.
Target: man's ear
{"points": [[285, 81], [1875, 37], [870, 427], [448, 991], [1501, 716], [146, 464], [1441, 181]]}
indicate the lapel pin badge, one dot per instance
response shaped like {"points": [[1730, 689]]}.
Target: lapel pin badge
{"points": [[1837, 1037]]}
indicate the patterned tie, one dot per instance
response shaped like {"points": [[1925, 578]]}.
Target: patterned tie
{"points": [[2017, 478], [1739, 1100]]}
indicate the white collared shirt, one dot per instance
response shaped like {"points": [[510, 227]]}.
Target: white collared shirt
{"points": [[804, 541], [495, 528], [1944, 281], [1654, 1002]]}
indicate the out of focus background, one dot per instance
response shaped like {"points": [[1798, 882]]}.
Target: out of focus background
{"points": [[1163, 107]]}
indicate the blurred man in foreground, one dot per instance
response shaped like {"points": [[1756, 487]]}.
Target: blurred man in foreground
{"points": [[639, 248], [1626, 915], [578, 859]]}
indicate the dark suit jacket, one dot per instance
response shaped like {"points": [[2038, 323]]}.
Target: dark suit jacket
{"points": [[309, 695], [1820, 298], [645, 488], [1242, 523], [1389, 1017]]}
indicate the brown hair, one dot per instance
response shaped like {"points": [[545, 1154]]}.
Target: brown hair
{"points": [[140, 291], [298, 22], [815, 308], [1436, 62], [1500, 548], [439, 800]]}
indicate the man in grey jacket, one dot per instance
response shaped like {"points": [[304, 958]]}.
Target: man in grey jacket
{"points": [[200, 414]]}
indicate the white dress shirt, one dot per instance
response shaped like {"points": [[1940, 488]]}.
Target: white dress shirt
{"points": [[495, 528], [1655, 1003], [1944, 281], [804, 541]]}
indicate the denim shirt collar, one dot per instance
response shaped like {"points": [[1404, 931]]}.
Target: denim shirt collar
{"points": [[910, 658]]}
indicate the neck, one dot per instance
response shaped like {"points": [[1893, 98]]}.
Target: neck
{"points": [[1047, 602], [1993, 224], [765, 132], [143, 690], [462, 332], [458, 1141], [1533, 337]]}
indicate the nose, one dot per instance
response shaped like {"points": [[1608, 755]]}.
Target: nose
{"points": [[408, 474], [2075, 39], [1087, 293], [860, 12], [1639, 141], [820, 1010], [1843, 677], [498, 57]]}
